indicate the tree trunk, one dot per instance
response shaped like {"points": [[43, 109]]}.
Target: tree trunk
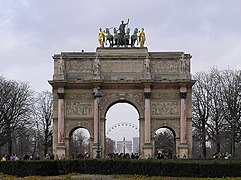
{"points": [[218, 146], [9, 140], [218, 143], [204, 151], [233, 141]]}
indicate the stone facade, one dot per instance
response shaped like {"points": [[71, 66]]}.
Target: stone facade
{"points": [[157, 84]]}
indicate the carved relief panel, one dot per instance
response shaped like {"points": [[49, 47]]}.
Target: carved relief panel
{"points": [[165, 66], [79, 66], [78, 105], [165, 104]]}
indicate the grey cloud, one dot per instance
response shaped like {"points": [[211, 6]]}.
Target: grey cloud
{"points": [[33, 30]]}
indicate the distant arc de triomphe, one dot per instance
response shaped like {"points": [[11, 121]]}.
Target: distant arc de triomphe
{"points": [[157, 84]]}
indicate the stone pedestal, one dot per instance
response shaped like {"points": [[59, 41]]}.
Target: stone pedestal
{"points": [[61, 151], [183, 150], [95, 149], [147, 151]]}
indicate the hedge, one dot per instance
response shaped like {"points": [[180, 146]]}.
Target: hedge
{"points": [[172, 168]]}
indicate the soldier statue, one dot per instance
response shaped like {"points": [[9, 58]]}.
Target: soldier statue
{"points": [[122, 28]]}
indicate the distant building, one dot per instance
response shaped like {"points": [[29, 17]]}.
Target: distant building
{"points": [[135, 145], [124, 146]]}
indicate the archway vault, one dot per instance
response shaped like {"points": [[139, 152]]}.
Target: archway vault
{"points": [[160, 91], [122, 98]]}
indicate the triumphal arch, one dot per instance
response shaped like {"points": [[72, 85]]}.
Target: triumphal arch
{"points": [[157, 84]]}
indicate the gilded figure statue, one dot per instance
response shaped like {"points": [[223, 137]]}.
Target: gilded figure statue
{"points": [[142, 37], [101, 37]]}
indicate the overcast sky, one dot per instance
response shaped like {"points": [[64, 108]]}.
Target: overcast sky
{"points": [[31, 31]]}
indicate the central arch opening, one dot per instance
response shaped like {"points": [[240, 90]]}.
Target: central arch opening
{"points": [[122, 130]]}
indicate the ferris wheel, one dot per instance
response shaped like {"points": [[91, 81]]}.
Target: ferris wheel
{"points": [[123, 130]]}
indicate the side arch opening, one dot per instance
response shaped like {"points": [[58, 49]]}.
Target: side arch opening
{"points": [[79, 143]]}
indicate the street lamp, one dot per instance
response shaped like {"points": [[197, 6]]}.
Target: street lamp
{"points": [[97, 96]]}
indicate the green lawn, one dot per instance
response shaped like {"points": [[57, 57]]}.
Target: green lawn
{"points": [[104, 177]]}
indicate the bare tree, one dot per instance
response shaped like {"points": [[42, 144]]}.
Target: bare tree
{"points": [[216, 109], [231, 97], [201, 108], [15, 110], [216, 123], [44, 119], [79, 143], [110, 146]]}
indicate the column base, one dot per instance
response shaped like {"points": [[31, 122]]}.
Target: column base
{"points": [[96, 151], [183, 151], [61, 151], [147, 76], [97, 77], [147, 151]]}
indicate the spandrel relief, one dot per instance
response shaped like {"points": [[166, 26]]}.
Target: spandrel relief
{"points": [[138, 97], [164, 108], [75, 109], [107, 97]]}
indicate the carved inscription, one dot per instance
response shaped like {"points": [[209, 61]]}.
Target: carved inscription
{"points": [[82, 66], [76, 108], [164, 108], [165, 66], [79, 96], [165, 96]]}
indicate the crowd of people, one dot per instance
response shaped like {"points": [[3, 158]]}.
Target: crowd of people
{"points": [[15, 157], [81, 156], [123, 155], [51, 156], [222, 155], [12, 157]]}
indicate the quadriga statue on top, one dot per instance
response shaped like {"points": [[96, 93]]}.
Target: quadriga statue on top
{"points": [[121, 36]]}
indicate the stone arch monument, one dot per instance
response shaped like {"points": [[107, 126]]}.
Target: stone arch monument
{"points": [[157, 84]]}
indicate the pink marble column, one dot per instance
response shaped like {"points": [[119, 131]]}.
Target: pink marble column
{"points": [[147, 117], [96, 121], [183, 118], [60, 117]]}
